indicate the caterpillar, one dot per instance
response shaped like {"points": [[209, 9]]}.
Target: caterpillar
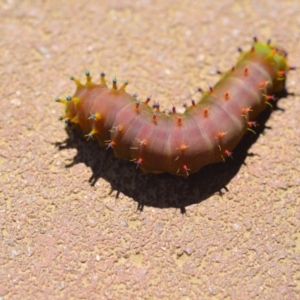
{"points": [[180, 144]]}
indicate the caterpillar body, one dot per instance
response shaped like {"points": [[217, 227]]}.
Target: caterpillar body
{"points": [[176, 143]]}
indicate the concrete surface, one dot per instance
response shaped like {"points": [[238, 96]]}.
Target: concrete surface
{"points": [[230, 231]]}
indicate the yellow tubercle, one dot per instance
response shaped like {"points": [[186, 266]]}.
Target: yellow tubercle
{"points": [[123, 87], [75, 119], [75, 100], [88, 79], [59, 100], [96, 116], [102, 79], [77, 82], [65, 116], [114, 84], [91, 134]]}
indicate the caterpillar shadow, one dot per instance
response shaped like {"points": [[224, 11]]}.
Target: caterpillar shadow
{"points": [[163, 190]]}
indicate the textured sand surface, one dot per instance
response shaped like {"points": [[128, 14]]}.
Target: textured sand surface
{"points": [[230, 231]]}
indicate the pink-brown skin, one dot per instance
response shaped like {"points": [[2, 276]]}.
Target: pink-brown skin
{"points": [[179, 144]]}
